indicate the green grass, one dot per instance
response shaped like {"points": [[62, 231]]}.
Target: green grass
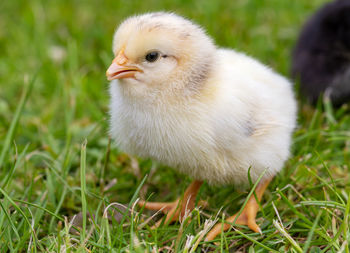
{"points": [[62, 49]]}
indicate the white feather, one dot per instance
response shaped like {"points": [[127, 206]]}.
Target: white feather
{"points": [[237, 114]]}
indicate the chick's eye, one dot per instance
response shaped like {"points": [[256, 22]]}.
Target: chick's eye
{"points": [[152, 56]]}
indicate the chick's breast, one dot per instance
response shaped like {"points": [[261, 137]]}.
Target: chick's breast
{"points": [[180, 136], [243, 118]]}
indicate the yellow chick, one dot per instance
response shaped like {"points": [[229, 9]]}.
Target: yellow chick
{"points": [[209, 112]]}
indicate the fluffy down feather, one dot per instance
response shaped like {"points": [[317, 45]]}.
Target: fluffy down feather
{"points": [[211, 113], [321, 57]]}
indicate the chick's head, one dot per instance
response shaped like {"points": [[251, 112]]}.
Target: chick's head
{"points": [[160, 52]]}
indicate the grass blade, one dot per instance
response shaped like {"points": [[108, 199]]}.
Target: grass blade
{"points": [[311, 233], [83, 188], [255, 241], [9, 175], [346, 225], [10, 221], [21, 212], [11, 132], [294, 244]]}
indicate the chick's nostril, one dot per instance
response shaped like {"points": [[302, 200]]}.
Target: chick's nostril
{"points": [[121, 58]]}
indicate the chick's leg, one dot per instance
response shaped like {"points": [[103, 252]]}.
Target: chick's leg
{"points": [[247, 217], [175, 210]]}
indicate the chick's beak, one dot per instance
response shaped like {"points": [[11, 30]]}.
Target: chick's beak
{"points": [[119, 68]]}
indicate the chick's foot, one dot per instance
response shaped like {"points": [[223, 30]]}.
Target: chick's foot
{"points": [[247, 217], [178, 209]]}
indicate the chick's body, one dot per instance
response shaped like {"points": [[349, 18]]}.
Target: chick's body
{"points": [[211, 113], [241, 117]]}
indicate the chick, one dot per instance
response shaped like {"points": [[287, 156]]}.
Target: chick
{"points": [[321, 57], [211, 113]]}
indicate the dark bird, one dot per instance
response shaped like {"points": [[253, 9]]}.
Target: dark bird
{"points": [[321, 57]]}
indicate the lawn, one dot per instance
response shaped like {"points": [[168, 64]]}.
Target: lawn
{"points": [[56, 160]]}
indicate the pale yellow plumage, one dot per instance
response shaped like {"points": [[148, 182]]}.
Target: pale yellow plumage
{"points": [[211, 113]]}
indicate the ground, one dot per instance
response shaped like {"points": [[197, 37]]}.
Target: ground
{"points": [[56, 159]]}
